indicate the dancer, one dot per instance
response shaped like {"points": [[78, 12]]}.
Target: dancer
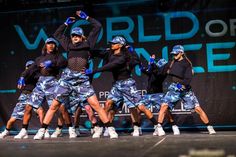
{"points": [[48, 64], [18, 112], [124, 88], [181, 73], [156, 73], [72, 80]]}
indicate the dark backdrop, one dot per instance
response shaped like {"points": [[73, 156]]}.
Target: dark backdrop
{"points": [[206, 29]]}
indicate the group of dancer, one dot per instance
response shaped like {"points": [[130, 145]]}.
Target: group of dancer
{"points": [[66, 85]]}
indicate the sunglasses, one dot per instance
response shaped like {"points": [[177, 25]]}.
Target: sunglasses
{"points": [[175, 54], [75, 35], [50, 43]]}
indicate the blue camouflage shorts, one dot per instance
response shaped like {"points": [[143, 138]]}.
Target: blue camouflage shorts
{"points": [[74, 103], [174, 95], [117, 105], [116, 99], [44, 90], [152, 100], [190, 100], [126, 91], [19, 109], [73, 82]]}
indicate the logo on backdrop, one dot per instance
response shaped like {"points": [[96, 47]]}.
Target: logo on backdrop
{"points": [[227, 28]]}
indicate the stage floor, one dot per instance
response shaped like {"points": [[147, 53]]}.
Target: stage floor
{"points": [[126, 146]]}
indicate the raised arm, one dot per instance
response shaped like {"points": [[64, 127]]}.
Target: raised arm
{"points": [[96, 28], [60, 33]]}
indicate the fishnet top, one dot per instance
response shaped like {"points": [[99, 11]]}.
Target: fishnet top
{"points": [[77, 63]]}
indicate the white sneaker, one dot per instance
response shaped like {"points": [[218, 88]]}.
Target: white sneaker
{"points": [[23, 134], [136, 131], [175, 130], [140, 130], [72, 133], [57, 133], [106, 133], [40, 134], [77, 132], [155, 133], [112, 132], [46, 135], [158, 130], [97, 132], [4, 134], [92, 131], [211, 130]]}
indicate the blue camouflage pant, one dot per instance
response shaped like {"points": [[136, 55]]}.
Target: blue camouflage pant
{"points": [[19, 109], [44, 90], [126, 91], [73, 82], [174, 95], [152, 100]]}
